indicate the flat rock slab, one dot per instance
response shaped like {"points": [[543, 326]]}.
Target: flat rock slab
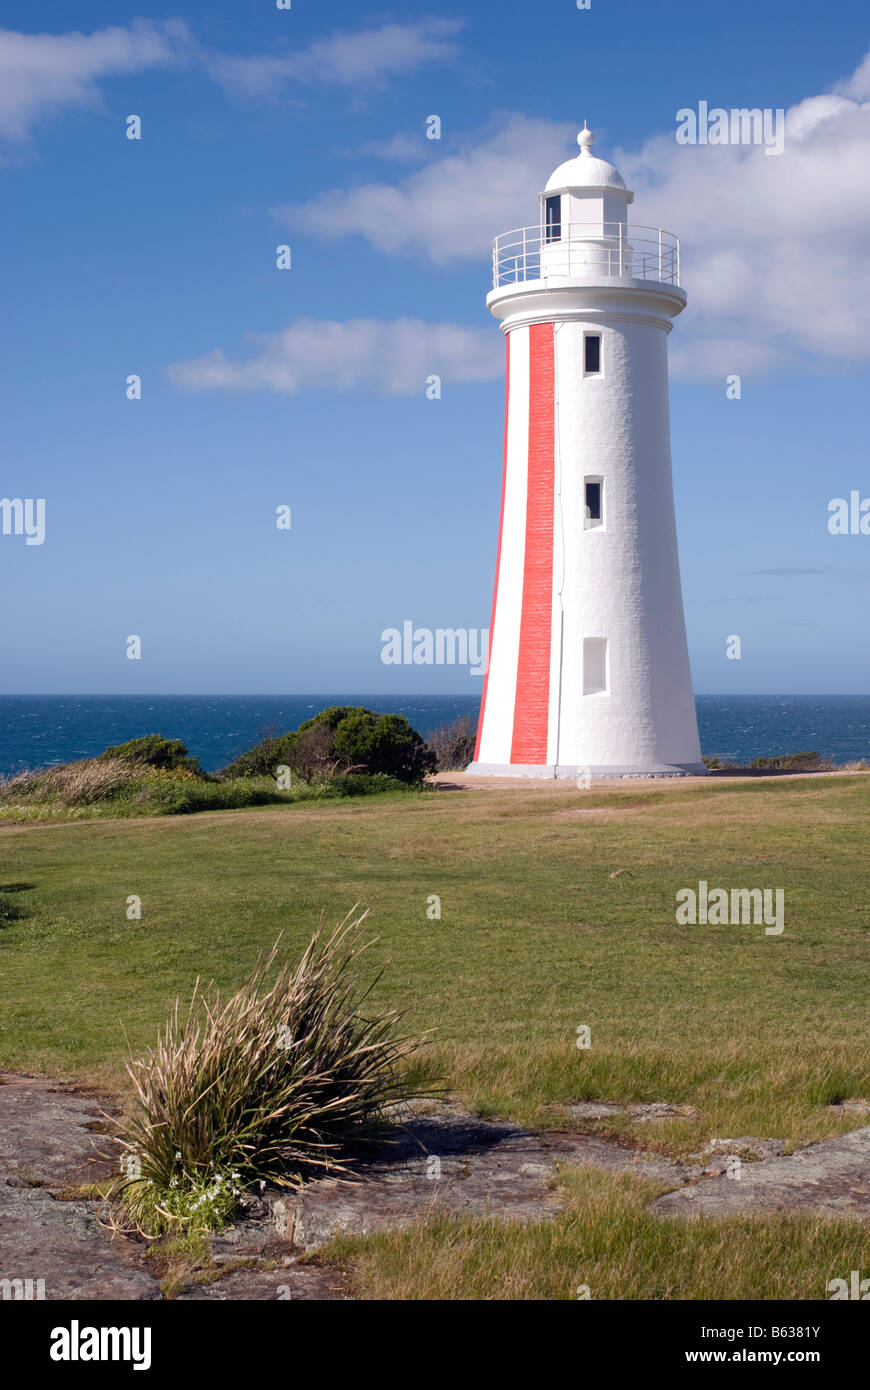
{"points": [[642, 1110], [310, 1283], [450, 1163], [50, 1131], [63, 1245], [45, 1146], [831, 1178]]}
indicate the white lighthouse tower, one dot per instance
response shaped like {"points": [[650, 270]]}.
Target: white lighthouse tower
{"points": [[589, 669]]}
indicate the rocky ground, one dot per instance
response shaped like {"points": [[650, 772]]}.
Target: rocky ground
{"points": [[443, 1160]]}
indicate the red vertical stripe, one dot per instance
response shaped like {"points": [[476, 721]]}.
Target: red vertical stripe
{"points": [[532, 707], [507, 401]]}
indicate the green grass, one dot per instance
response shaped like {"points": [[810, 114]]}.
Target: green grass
{"points": [[607, 1244], [536, 937]]}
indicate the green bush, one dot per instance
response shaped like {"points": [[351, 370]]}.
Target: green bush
{"points": [[154, 750], [795, 762], [778, 762], [339, 742], [259, 761], [382, 743], [372, 743]]}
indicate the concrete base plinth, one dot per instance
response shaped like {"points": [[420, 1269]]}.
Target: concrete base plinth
{"points": [[564, 772]]}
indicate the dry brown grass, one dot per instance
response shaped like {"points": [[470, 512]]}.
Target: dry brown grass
{"points": [[72, 784]]}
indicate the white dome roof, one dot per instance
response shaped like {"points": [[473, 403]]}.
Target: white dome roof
{"points": [[585, 171]]}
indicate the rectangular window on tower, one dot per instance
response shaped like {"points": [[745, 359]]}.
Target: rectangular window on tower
{"points": [[591, 353], [553, 218], [593, 502], [594, 665]]}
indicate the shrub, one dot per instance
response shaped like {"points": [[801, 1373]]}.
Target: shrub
{"points": [[795, 762], [275, 1082], [154, 751], [311, 753], [779, 762], [261, 760], [453, 745], [339, 741], [365, 741]]}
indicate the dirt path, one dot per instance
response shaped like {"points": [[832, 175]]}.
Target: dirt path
{"points": [[444, 1161]]}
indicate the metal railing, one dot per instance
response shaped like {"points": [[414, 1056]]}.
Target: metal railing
{"points": [[586, 251]]}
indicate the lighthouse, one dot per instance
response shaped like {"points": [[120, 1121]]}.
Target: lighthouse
{"points": [[589, 668]]}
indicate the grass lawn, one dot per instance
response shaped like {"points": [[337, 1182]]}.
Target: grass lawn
{"points": [[557, 910], [536, 937]]}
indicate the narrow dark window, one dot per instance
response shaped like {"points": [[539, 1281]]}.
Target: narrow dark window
{"points": [[593, 353], [553, 218], [593, 501]]}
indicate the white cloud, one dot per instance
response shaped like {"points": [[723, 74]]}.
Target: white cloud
{"points": [[450, 210], [349, 59], [857, 85], [391, 358], [41, 74], [774, 248]]}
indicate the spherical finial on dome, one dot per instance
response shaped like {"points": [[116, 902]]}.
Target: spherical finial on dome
{"points": [[586, 172]]}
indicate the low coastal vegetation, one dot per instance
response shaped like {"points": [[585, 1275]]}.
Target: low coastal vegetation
{"points": [[345, 751], [781, 762]]}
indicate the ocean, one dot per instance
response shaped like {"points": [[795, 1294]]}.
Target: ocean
{"points": [[43, 730]]}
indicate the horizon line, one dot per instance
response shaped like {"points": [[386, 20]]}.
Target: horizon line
{"points": [[376, 694]]}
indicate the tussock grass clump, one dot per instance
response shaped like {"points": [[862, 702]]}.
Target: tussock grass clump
{"points": [[276, 1082], [71, 784]]}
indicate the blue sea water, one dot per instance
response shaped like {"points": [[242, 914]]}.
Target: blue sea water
{"points": [[42, 730]]}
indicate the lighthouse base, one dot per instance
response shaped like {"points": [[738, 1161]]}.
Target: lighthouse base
{"points": [[593, 773]]}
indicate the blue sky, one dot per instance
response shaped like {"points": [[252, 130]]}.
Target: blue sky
{"points": [[307, 127]]}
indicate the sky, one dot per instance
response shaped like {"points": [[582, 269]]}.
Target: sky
{"points": [[305, 387]]}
